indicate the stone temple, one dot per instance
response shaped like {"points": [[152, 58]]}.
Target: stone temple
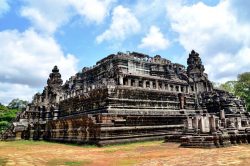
{"points": [[129, 97]]}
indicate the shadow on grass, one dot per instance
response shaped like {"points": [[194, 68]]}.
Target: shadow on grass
{"points": [[43, 142]]}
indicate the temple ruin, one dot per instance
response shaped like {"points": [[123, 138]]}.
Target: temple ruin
{"points": [[131, 96]]}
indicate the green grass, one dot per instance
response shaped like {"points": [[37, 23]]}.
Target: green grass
{"points": [[134, 144], [20, 143], [74, 163], [55, 162], [126, 162], [25, 142], [3, 161]]}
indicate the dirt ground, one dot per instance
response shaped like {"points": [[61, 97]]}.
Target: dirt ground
{"points": [[156, 153]]}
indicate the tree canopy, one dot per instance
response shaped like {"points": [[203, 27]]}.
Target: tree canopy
{"points": [[7, 114], [17, 104], [240, 88]]}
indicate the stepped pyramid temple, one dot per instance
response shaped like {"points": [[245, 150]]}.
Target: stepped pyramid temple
{"points": [[129, 97]]}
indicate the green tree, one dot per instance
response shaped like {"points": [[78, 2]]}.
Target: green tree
{"points": [[228, 86], [242, 87], [6, 116], [216, 84], [17, 104]]}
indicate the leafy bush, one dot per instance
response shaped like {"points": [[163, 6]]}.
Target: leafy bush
{"points": [[6, 116]]}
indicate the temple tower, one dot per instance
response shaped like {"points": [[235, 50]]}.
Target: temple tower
{"points": [[52, 94], [195, 67], [195, 71]]}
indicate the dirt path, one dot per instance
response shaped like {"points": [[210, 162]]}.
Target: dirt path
{"points": [[24, 153]]}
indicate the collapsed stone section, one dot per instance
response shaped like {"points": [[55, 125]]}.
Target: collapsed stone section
{"points": [[124, 97]]}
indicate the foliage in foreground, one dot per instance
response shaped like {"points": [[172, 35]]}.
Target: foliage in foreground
{"points": [[6, 116]]}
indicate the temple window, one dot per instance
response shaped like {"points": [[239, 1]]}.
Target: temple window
{"points": [[125, 81], [166, 86], [192, 88], [132, 82], [154, 85], [147, 84], [171, 87], [140, 84], [160, 85], [177, 88]]}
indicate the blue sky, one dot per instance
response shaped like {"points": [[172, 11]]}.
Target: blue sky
{"points": [[35, 35]]}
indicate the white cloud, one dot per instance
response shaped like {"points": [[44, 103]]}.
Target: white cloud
{"points": [[47, 16], [124, 23], [26, 61], [94, 10], [216, 33], [4, 7], [10, 91], [154, 40]]}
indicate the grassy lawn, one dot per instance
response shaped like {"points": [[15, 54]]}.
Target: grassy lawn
{"points": [[67, 162], [44, 153]]}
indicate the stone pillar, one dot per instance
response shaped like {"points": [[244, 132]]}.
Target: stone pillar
{"points": [[238, 123], [195, 121], [18, 135], [144, 83], [217, 123], [47, 115], [129, 82], [212, 123], [31, 135], [151, 84], [204, 125], [189, 123], [156, 84], [120, 80], [136, 83], [206, 122], [167, 87], [163, 86], [41, 114], [57, 130], [56, 113], [222, 114], [181, 100], [70, 129]]}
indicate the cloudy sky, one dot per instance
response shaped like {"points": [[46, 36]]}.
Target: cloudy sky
{"points": [[35, 35]]}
